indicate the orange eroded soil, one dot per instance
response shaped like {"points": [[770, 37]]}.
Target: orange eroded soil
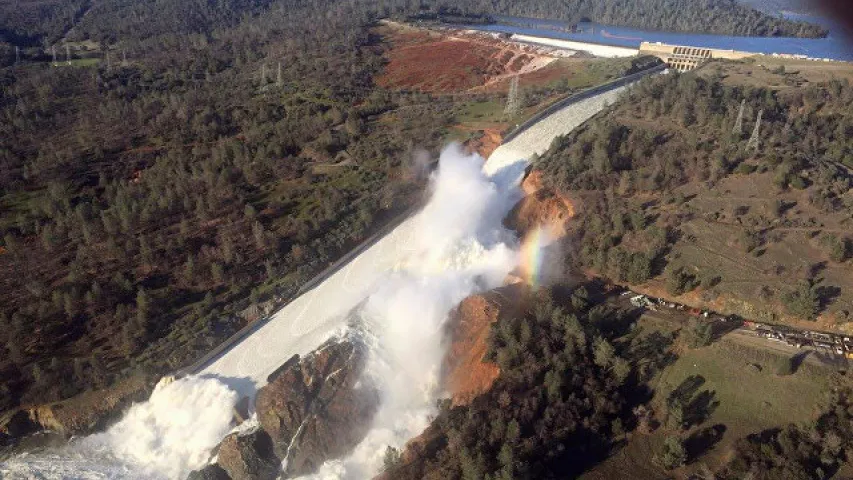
{"points": [[540, 207], [453, 62], [489, 138], [466, 373]]}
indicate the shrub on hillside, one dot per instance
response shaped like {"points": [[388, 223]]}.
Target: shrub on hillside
{"points": [[699, 333], [804, 302], [679, 281], [673, 454], [784, 366]]}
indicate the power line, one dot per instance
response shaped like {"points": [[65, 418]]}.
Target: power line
{"points": [[738, 128], [753, 141]]}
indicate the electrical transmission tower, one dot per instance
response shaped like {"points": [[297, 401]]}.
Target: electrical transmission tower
{"points": [[753, 141], [738, 129], [512, 104]]}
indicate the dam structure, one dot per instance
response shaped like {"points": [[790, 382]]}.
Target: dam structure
{"points": [[683, 58]]}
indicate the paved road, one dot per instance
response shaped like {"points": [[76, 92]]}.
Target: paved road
{"points": [[746, 337]]}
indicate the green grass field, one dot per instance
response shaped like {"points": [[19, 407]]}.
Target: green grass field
{"points": [[480, 111], [750, 399]]}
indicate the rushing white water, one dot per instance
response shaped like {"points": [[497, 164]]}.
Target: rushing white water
{"points": [[165, 437], [404, 285], [461, 248]]}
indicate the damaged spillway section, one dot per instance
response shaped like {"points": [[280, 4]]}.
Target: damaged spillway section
{"points": [[380, 325], [332, 412], [314, 408]]}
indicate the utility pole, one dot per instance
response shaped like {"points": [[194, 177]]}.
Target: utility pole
{"points": [[278, 80], [753, 141], [512, 105], [738, 128]]}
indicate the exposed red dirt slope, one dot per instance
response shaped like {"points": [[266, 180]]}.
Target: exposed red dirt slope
{"points": [[488, 140], [540, 207], [466, 374], [452, 62]]}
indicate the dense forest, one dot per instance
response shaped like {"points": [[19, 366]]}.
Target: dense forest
{"points": [[559, 403], [151, 203], [630, 164], [575, 385], [34, 22]]}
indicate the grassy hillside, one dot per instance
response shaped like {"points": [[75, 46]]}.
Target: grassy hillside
{"points": [[735, 391], [675, 200], [151, 201]]}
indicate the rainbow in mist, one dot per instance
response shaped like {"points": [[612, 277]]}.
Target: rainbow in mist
{"points": [[533, 256]]}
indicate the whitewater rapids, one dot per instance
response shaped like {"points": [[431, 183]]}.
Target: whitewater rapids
{"points": [[404, 286]]}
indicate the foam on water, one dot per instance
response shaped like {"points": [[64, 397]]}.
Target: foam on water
{"points": [[165, 437], [462, 248]]}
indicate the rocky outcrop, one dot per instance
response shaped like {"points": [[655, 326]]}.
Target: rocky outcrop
{"points": [[83, 414], [540, 207], [314, 408], [484, 141], [466, 373], [16, 424], [210, 472], [248, 456]]}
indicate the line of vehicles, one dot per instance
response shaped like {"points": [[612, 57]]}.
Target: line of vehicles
{"points": [[838, 344], [835, 343], [654, 304]]}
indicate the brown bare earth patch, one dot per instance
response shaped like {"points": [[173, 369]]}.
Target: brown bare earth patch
{"points": [[540, 207], [466, 374], [489, 137], [452, 61]]}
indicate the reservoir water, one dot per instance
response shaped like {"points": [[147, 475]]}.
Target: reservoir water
{"points": [[838, 45]]}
